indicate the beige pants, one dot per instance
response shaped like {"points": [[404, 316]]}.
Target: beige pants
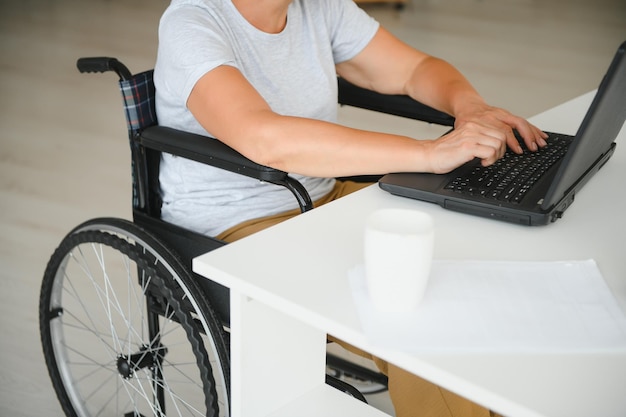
{"points": [[411, 395]]}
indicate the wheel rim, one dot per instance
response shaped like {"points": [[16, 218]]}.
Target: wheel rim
{"points": [[111, 365]]}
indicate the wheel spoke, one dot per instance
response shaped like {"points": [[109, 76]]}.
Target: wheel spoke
{"points": [[100, 291]]}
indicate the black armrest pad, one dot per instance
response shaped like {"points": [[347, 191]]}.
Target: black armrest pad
{"points": [[398, 105], [207, 150]]}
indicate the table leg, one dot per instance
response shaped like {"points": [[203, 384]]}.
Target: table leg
{"points": [[274, 358]]}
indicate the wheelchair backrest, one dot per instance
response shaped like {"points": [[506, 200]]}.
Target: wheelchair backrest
{"points": [[139, 101], [138, 92]]}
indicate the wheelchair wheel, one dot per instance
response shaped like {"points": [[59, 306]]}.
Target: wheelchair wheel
{"points": [[126, 331]]}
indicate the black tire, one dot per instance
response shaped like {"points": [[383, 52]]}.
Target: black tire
{"points": [[126, 331]]}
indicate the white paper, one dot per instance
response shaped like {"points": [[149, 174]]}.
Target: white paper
{"points": [[501, 306]]}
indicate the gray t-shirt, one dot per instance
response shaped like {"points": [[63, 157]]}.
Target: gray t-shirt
{"points": [[293, 70]]}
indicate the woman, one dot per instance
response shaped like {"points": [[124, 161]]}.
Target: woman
{"points": [[260, 75]]}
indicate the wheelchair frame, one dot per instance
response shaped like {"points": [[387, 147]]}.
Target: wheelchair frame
{"points": [[143, 374]]}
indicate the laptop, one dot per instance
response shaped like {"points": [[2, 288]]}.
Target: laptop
{"points": [[541, 190]]}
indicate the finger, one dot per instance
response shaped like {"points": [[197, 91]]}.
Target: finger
{"points": [[487, 155], [504, 136], [533, 137], [489, 149], [542, 136], [512, 142]]}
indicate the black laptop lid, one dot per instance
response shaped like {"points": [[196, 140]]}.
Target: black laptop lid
{"points": [[602, 123]]}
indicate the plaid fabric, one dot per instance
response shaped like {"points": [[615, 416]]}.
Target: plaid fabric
{"points": [[138, 93]]}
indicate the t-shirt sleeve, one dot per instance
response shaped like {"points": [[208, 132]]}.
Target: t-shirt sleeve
{"points": [[351, 28], [192, 42]]}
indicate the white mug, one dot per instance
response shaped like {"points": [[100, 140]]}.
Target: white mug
{"points": [[398, 250]]}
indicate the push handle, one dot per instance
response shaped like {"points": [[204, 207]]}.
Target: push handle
{"points": [[103, 64]]}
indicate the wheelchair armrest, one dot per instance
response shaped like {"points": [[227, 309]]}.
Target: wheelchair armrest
{"points": [[206, 150], [398, 105], [212, 152]]}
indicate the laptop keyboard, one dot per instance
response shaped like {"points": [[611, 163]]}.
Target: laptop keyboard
{"points": [[512, 176]]}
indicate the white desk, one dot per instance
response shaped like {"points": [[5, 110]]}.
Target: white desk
{"points": [[289, 288]]}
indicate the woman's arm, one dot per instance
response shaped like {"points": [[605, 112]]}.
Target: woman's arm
{"points": [[388, 65], [226, 105]]}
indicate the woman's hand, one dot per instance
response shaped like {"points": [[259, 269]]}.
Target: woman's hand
{"points": [[505, 122], [483, 133], [468, 141]]}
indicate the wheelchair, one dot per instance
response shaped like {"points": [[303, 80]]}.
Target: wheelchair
{"points": [[127, 329]]}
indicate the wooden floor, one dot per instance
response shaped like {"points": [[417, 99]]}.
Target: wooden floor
{"points": [[64, 156]]}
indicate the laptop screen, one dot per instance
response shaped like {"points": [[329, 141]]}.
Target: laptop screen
{"points": [[602, 123]]}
